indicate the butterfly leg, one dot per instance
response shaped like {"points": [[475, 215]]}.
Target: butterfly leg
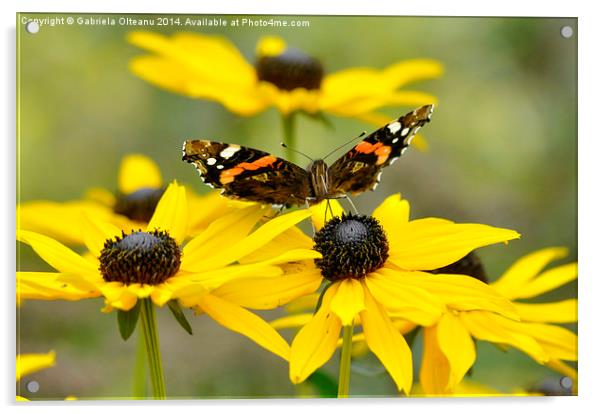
{"points": [[352, 205], [313, 228]]}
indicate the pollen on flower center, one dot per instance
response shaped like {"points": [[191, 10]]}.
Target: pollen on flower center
{"points": [[139, 205], [140, 257], [290, 70], [351, 246]]}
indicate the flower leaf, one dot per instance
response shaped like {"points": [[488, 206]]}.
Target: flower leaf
{"points": [[127, 320], [176, 310]]}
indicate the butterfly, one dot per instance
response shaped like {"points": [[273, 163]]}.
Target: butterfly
{"points": [[252, 175]]}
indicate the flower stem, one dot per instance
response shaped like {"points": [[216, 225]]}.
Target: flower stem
{"points": [[151, 340], [139, 381], [288, 128], [345, 365]]}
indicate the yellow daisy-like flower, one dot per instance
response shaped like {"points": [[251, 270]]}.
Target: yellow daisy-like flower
{"points": [[211, 67], [449, 349], [30, 363], [376, 268], [140, 186], [153, 264]]}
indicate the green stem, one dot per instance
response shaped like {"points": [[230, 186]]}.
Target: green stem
{"points": [[139, 381], [151, 340], [288, 128], [345, 365]]}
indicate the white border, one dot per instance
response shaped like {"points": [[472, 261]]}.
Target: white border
{"points": [[589, 184]]}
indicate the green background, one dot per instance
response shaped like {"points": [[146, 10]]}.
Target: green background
{"points": [[503, 142]]}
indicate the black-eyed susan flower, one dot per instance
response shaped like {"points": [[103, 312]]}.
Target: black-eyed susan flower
{"points": [[133, 271], [449, 350], [140, 186], [375, 267], [210, 67]]}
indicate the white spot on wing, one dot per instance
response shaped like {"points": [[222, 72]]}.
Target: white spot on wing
{"points": [[396, 158], [394, 127], [220, 167], [229, 151], [211, 161], [405, 132], [394, 140]]}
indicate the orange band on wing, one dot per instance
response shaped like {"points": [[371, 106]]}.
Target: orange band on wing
{"points": [[383, 154], [367, 148], [227, 176]]}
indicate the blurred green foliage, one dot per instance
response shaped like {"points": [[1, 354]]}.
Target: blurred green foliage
{"points": [[503, 151]]}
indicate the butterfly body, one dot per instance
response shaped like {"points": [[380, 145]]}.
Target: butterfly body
{"points": [[253, 175]]}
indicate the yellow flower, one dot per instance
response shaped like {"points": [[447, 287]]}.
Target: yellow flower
{"points": [[449, 349], [382, 284], [140, 187], [152, 264], [211, 67], [30, 363]]}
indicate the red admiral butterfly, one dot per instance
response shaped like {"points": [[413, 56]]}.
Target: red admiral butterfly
{"points": [[253, 175]]}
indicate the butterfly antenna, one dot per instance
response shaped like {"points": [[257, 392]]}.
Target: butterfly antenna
{"points": [[295, 151], [346, 143]]}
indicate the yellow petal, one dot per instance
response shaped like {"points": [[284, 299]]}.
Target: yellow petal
{"points": [[348, 300], [55, 254], [95, 233], [136, 172], [435, 368], [564, 311], [51, 286], [563, 368], [117, 295], [212, 279], [30, 363], [60, 221], [491, 327], [209, 57], [392, 213], [430, 243], [556, 341], [240, 320], [292, 321], [291, 239], [457, 292], [171, 213], [387, 343], [208, 208], [270, 46], [412, 70], [457, 346], [525, 269], [548, 280], [325, 211], [403, 299], [100, 195], [315, 343], [269, 293], [370, 103], [230, 253], [303, 303], [225, 230]]}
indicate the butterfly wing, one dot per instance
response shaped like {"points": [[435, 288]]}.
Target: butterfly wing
{"points": [[360, 168], [246, 173]]}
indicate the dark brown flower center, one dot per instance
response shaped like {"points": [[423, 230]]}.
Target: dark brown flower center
{"points": [[290, 70], [139, 205], [469, 265], [351, 246], [140, 257]]}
